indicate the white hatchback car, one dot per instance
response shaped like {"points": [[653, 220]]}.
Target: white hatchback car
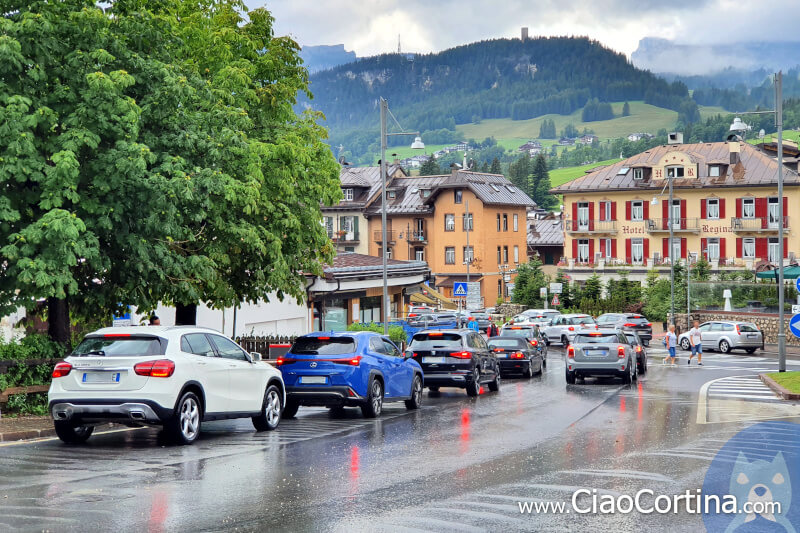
{"points": [[174, 376]]}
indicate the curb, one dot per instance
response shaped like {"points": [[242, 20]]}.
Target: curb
{"points": [[778, 389], [27, 434]]}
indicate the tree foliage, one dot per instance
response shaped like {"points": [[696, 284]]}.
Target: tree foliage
{"points": [[529, 280], [430, 167]]}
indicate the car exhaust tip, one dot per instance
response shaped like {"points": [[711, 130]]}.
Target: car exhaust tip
{"points": [[61, 415], [137, 415]]}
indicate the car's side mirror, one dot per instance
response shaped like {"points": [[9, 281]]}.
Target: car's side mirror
{"points": [[255, 356], [408, 354]]}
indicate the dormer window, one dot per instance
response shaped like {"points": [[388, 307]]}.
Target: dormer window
{"points": [[348, 194], [638, 173], [714, 171], [391, 194], [675, 172], [425, 193]]}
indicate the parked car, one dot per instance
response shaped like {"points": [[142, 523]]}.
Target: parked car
{"points": [[455, 358], [563, 328], [446, 318], [635, 340], [726, 336], [604, 352], [349, 369], [628, 322], [417, 310], [175, 377], [532, 334], [424, 321], [541, 317], [516, 355], [482, 317]]}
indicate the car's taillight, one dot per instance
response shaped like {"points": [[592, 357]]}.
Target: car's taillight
{"points": [[534, 342], [571, 352], [517, 355], [621, 351], [649, 325], [638, 349], [737, 330], [352, 361], [461, 355], [498, 350], [161, 368], [62, 369], [629, 325], [571, 328]]}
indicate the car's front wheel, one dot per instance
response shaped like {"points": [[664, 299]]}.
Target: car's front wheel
{"points": [[72, 433], [474, 386], [372, 408], [724, 346], [685, 343], [184, 425], [415, 401], [494, 385], [290, 409], [751, 350], [270, 414], [570, 377]]}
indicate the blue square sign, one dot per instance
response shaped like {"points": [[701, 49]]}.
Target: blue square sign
{"points": [[460, 289]]}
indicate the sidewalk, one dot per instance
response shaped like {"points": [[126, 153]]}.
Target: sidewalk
{"points": [[25, 427]]}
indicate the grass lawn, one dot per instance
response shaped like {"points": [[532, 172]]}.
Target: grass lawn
{"points": [[790, 380], [561, 176]]}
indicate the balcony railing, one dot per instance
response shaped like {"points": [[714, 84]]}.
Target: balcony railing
{"points": [[759, 224], [656, 261], [686, 225], [417, 236], [592, 226], [378, 235], [342, 237]]}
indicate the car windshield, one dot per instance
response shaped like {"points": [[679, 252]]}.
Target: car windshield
{"points": [[323, 346], [506, 343], [427, 341], [526, 332], [111, 345], [596, 338], [748, 328]]}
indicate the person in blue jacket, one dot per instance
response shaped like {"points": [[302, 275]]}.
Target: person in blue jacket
{"points": [[473, 324]]}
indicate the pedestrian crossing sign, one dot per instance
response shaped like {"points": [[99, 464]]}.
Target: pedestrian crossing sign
{"points": [[556, 301], [460, 289]]}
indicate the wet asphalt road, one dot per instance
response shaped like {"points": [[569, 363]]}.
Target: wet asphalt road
{"points": [[458, 464]]}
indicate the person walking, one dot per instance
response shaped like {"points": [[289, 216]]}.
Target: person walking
{"points": [[695, 341], [473, 324], [671, 342], [491, 330]]}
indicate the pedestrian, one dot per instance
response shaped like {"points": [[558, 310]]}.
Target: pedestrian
{"points": [[695, 341], [491, 329], [154, 320], [495, 331], [473, 324], [671, 343]]}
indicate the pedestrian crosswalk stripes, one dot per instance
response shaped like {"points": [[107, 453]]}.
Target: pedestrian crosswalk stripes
{"points": [[748, 388]]}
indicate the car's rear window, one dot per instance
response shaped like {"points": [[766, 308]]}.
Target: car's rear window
{"points": [[118, 346], [428, 341], [581, 320], [748, 328], [631, 338], [324, 346], [636, 319], [603, 338], [499, 342], [526, 332], [480, 315]]}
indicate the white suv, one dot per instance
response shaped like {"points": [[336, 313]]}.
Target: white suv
{"points": [[173, 376]]}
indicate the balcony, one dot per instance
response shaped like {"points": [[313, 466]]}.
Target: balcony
{"points": [[757, 225], [417, 237], [656, 262], [591, 227], [679, 225], [377, 236], [344, 237]]}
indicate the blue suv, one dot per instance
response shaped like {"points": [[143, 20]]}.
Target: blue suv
{"points": [[349, 369]]}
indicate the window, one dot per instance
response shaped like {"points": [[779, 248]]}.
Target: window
{"points": [[772, 252], [449, 222], [348, 226], [583, 215], [499, 255], [498, 221], [605, 210], [391, 349], [714, 171], [638, 173], [348, 194], [622, 171], [450, 255], [516, 254], [772, 212], [605, 248], [388, 253], [749, 248], [712, 208], [637, 251], [713, 249], [676, 248], [198, 344], [229, 349], [499, 288], [674, 172], [377, 346], [505, 222], [425, 193], [457, 196], [350, 249], [510, 188], [392, 194], [748, 208], [419, 254], [516, 222], [468, 254], [467, 219], [505, 254], [494, 187], [583, 251], [637, 210]]}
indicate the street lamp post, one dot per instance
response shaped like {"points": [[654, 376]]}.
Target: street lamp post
{"points": [[417, 145], [671, 257]]}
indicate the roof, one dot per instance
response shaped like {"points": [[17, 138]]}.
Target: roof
{"points": [[491, 189], [754, 169], [146, 330], [368, 179], [548, 232], [352, 265]]}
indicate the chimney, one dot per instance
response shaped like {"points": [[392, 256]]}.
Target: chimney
{"points": [[734, 148], [675, 137], [524, 34]]}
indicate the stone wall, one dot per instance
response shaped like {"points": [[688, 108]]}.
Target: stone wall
{"points": [[509, 310], [767, 323]]}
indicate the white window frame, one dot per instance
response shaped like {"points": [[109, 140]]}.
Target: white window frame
{"points": [[419, 254], [749, 204], [749, 245], [516, 222], [449, 222], [516, 254], [712, 248], [583, 215], [606, 207], [606, 248], [469, 254], [583, 251], [772, 250], [637, 210], [348, 194], [676, 171], [348, 225], [712, 215], [450, 255], [676, 214], [467, 220], [388, 252], [773, 209], [327, 222], [714, 171], [676, 248], [638, 173], [637, 251]]}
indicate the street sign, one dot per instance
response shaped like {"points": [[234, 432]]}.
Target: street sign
{"points": [[797, 284], [556, 300], [543, 292], [460, 289], [795, 309], [474, 300], [794, 325], [123, 319], [555, 288]]}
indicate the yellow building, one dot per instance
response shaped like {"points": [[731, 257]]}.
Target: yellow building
{"points": [[725, 208]]}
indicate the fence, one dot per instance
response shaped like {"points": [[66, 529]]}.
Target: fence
{"points": [[31, 372], [270, 347]]}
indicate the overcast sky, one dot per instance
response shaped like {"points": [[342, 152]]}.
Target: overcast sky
{"points": [[371, 26]]}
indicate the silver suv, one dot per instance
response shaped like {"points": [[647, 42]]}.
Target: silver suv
{"points": [[563, 328], [726, 336], [602, 352]]}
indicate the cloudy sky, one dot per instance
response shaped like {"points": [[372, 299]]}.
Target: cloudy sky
{"points": [[371, 26]]}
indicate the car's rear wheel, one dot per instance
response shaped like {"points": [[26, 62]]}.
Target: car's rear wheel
{"points": [[184, 425], [751, 350], [528, 372], [564, 341], [270, 415], [627, 377], [415, 402], [374, 405], [642, 365], [546, 340], [290, 409], [474, 386], [570, 377], [494, 385], [724, 346], [685, 343], [72, 433]]}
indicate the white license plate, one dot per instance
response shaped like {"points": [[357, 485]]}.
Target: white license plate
{"points": [[752, 335], [597, 353], [433, 359], [502, 356], [100, 377], [312, 380]]}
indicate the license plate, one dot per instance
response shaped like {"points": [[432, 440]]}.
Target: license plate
{"points": [[311, 380], [752, 335], [502, 356], [433, 359], [597, 353], [100, 377]]}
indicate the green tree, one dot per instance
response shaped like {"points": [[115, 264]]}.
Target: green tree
{"points": [[566, 297], [519, 173], [430, 168], [540, 186], [626, 110], [496, 168], [593, 288], [529, 280]]}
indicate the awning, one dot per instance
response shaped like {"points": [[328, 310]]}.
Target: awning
{"points": [[457, 278], [431, 296], [790, 272]]}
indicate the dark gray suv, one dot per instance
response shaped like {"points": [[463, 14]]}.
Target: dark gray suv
{"points": [[628, 322]]}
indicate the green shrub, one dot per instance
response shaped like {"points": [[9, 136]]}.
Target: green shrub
{"points": [[396, 333], [31, 347], [28, 404]]}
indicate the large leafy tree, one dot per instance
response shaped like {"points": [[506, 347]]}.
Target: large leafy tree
{"points": [[150, 153]]}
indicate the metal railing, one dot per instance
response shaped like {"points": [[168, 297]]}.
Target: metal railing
{"points": [[592, 226], [758, 224], [678, 224], [345, 237], [416, 236]]}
